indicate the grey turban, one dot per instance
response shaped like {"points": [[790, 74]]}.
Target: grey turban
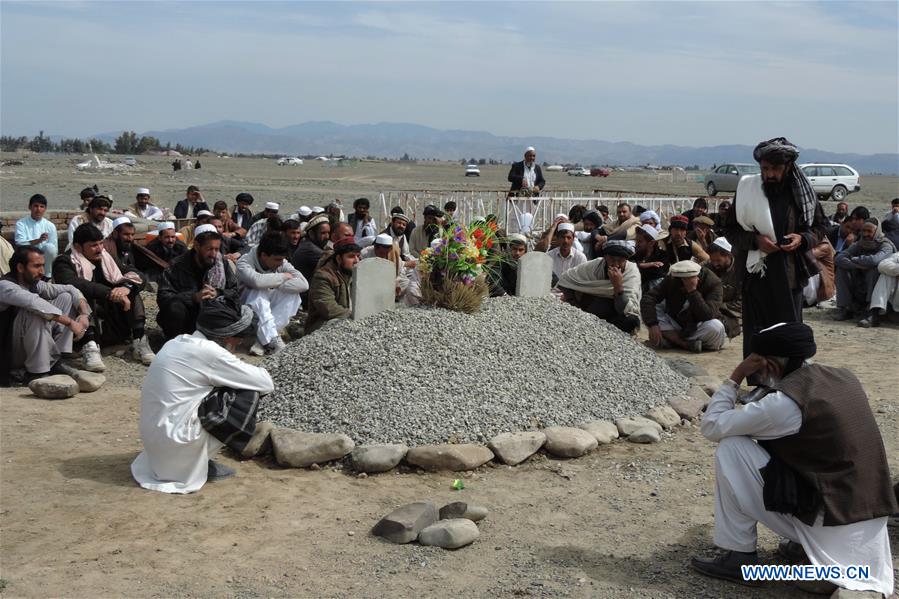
{"points": [[776, 151]]}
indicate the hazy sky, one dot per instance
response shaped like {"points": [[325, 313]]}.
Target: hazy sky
{"points": [[686, 73]]}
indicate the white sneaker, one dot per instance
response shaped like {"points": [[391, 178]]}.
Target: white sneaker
{"points": [[140, 350], [276, 345], [93, 362], [257, 349]]}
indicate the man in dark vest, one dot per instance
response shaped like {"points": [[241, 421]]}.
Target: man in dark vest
{"points": [[806, 460]]}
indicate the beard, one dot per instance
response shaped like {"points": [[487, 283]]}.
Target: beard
{"points": [[774, 189]]}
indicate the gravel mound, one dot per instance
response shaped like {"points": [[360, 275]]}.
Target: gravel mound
{"points": [[421, 375]]}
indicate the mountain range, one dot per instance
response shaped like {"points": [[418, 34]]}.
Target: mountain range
{"points": [[393, 140]]}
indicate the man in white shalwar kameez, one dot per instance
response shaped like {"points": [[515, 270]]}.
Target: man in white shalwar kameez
{"points": [[272, 288], [817, 422], [177, 455]]}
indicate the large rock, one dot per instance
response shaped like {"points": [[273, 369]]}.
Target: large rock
{"points": [[461, 509], [514, 448], [602, 430], [568, 442], [645, 434], [403, 524], [841, 593], [449, 457], [628, 425], [377, 458], [664, 415], [299, 450], [450, 534], [691, 404], [58, 386], [686, 367], [88, 382], [261, 441], [709, 384]]}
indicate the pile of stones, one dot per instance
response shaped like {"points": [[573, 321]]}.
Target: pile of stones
{"points": [[452, 527], [63, 386]]}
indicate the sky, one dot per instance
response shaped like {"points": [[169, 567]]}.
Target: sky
{"points": [[823, 74]]}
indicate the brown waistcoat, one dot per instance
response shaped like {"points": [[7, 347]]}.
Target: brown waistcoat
{"points": [[838, 448]]}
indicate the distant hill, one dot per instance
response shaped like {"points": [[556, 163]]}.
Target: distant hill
{"points": [[393, 140]]}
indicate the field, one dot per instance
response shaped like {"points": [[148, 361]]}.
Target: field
{"points": [[620, 522]]}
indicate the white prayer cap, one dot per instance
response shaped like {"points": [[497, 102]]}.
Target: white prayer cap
{"points": [[304, 225], [650, 214], [272, 206], [518, 238], [293, 216], [723, 243], [650, 230], [120, 221], [204, 213], [207, 228], [562, 215], [565, 227], [317, 210], [164, 226], [529, 149], [143, 191], [384, 239], [684, 269], [305, 211]]}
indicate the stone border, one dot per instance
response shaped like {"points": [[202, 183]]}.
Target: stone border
{"points": [[296, 449]]}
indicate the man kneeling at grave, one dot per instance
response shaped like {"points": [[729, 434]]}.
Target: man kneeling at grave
{"points": [[608, 287], [684, 310], [197, 396], [272, 288], [504, 280], [329, 292], [806, 460]]}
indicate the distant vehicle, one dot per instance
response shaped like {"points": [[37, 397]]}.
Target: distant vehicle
{"points": [[292, 160], [131, 161], [472, 170], [600, 172], [834, 181], [578, 172], [726, 177], [555, 168]]}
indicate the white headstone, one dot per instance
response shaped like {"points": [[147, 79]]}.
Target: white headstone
{"points": [[535, 275], [374, 287]]}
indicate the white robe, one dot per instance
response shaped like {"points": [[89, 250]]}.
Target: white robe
{"points": [[177, 448], [739, 505]]}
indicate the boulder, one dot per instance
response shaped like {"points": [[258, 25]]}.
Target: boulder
{"points": [[514, 448], [261, 441], [403, 524], [628, 425], [461, 509], [645, 434], [449, 457], [842, 593], [709, 384], [690, 406], [664, 415], [300, 450], [377, 458], [450, 534], [88, 382], [58, 386], [686, 367], [602, 430], [569, 442]]}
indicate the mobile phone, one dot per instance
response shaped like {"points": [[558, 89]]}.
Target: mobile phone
{"points": [[784, 241]]}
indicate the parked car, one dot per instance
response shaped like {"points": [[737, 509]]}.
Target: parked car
{"points": [[292, 160], [600, 172], [726, 177], [834, 181], [131, 161], [578, 172], [472, 170]]}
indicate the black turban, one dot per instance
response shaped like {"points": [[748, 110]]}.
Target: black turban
{"points": [[787, 340], [224, 317], [622, 249], [244, 197], [776, 151]]}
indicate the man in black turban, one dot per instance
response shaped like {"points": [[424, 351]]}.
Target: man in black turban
{"points": [[806, 460], [774, 222]]}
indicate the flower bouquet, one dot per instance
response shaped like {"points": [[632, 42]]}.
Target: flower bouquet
{"points": [[454, 268]]}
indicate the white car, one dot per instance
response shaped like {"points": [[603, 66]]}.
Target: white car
{"points": [[472, 170], [131, 161], [579, 172], [834, 181], [293, 160]]}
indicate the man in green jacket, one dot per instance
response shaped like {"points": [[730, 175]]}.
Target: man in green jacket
{"points": [[329, 292]]}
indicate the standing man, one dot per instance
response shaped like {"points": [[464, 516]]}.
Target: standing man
{"points": [[142, 208], [775, 220], [38, 232], [193, 203], [526, 175]]}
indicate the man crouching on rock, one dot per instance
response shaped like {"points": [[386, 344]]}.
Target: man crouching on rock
{"points": [[806, 460], [196, 393]]}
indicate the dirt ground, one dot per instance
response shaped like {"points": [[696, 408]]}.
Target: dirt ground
{"points": [[622, 521]]}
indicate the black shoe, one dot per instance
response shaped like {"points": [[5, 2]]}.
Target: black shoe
{"points": [[218, 471], [31, 376], [843, 314], [726, 566], [793, 552]]}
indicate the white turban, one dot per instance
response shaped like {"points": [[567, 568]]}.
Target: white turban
{"points": [[384, 239], [143, 191], [120, 221], [164, 226], [565, 227], [272, 206], [207, 228], [723, 243]]}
